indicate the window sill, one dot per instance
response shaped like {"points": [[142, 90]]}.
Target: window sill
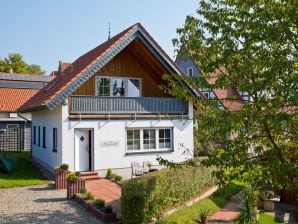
{"points": [[148, 152]]}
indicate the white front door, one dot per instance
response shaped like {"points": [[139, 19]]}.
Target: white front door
{"points": [[82, 150]]}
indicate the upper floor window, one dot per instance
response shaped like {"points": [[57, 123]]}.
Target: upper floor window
{"points": [[118, 87], [190, 71]]}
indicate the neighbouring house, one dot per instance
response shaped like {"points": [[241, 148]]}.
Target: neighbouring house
{"points": [[106, 109], [15, 90], [190, 68]]}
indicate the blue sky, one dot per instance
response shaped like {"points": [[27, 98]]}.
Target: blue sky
{"points": [[47, 31]]}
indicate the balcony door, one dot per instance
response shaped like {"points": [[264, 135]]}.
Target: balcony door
{"points": [[83, 150]]}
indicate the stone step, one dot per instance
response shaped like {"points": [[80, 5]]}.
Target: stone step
{"points": [[90, 176]]}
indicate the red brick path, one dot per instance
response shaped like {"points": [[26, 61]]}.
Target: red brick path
{"points": [[106, 190]]}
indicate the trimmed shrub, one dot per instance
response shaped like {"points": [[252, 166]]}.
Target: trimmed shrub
{"points": [[109, 173], [151, 195], [90, 196], [118, 178], [99, 203], [108, 209], [83, 190], [64, 166]]}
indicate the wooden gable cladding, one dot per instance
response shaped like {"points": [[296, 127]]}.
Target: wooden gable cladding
{"points": [[134, 61]]}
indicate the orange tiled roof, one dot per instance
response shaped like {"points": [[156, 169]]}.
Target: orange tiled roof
{"points": [[11, 99], [16, 89]]}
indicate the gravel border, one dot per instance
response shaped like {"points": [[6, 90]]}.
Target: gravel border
{"points": [[41, 204]]}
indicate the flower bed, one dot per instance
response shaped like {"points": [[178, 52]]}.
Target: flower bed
{"points": [[104, 213]]}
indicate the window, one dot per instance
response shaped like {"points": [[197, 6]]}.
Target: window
{"points": [[55, 139], [12, 126], [38, 136], [148, 139], [34, 135], [190, 72], [118, 87], [206, 94], [44, 137]]}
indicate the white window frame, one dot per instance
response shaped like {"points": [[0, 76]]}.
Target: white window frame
{"points": [[156, 149], [111, 84]]}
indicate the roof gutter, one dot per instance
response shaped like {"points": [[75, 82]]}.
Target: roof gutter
{"points": [[33, 108], [21, 116]]}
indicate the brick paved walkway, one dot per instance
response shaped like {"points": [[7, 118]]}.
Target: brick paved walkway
{"points": [[106, 190], [229, 212]]}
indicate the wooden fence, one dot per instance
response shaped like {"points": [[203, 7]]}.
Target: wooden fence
{"points": [[74, 187]]}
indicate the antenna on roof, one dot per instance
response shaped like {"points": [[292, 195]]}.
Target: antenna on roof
{"points": [[109, 31]]}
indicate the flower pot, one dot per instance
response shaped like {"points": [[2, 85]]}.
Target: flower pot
{"points": [[204, 218], [268, 205]]}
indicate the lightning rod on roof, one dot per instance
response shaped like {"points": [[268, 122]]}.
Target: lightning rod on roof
{"points": [[109, 31]]}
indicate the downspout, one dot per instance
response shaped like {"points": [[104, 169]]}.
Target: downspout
{"points": [[26, 120]]}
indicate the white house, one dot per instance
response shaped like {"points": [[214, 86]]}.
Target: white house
{"points": [[107, 109]]}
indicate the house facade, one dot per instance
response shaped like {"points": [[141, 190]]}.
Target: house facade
{"points": [[15, 90], [106, 109]]}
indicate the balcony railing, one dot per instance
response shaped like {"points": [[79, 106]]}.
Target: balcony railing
{"points": [[126, 105]]}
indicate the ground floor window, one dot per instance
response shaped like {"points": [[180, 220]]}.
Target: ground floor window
{"points": [[55, 139], [149, 139]]}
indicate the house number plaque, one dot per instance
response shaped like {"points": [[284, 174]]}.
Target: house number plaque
{"points": [[109, 143]]}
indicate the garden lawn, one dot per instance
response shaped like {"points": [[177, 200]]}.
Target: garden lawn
{"points": [[25, 173], [191, 214], [268, 219]]}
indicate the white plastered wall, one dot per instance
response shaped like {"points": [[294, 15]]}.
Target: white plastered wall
{"points": [[115, 131], [49, 119]]}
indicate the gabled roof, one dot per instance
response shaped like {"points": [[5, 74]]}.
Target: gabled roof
{"points": [[229, 97], [88, 64], [16, 89]]}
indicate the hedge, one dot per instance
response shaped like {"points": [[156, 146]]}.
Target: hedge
{"points": [[154, 193]]}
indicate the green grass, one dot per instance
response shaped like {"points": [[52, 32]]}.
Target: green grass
{"points": [[25, 173], [268, 219], [191, 215]]}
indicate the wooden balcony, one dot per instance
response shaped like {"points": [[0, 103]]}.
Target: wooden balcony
{"points": [[126, 105]]}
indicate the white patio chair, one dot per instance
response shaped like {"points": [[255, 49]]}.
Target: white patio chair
{"points": [[136, 170]]}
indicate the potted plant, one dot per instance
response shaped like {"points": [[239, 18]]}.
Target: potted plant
{"points": [[60, 176], [204, 213], [268, 201]]}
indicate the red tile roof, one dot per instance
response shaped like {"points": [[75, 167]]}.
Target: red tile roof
{"points": [[229, 96], [11, 99], [17, 89], [63, 85], [72, 72]]}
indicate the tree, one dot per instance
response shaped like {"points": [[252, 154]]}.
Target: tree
{"points": [[16, 64], [251, 46]]}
